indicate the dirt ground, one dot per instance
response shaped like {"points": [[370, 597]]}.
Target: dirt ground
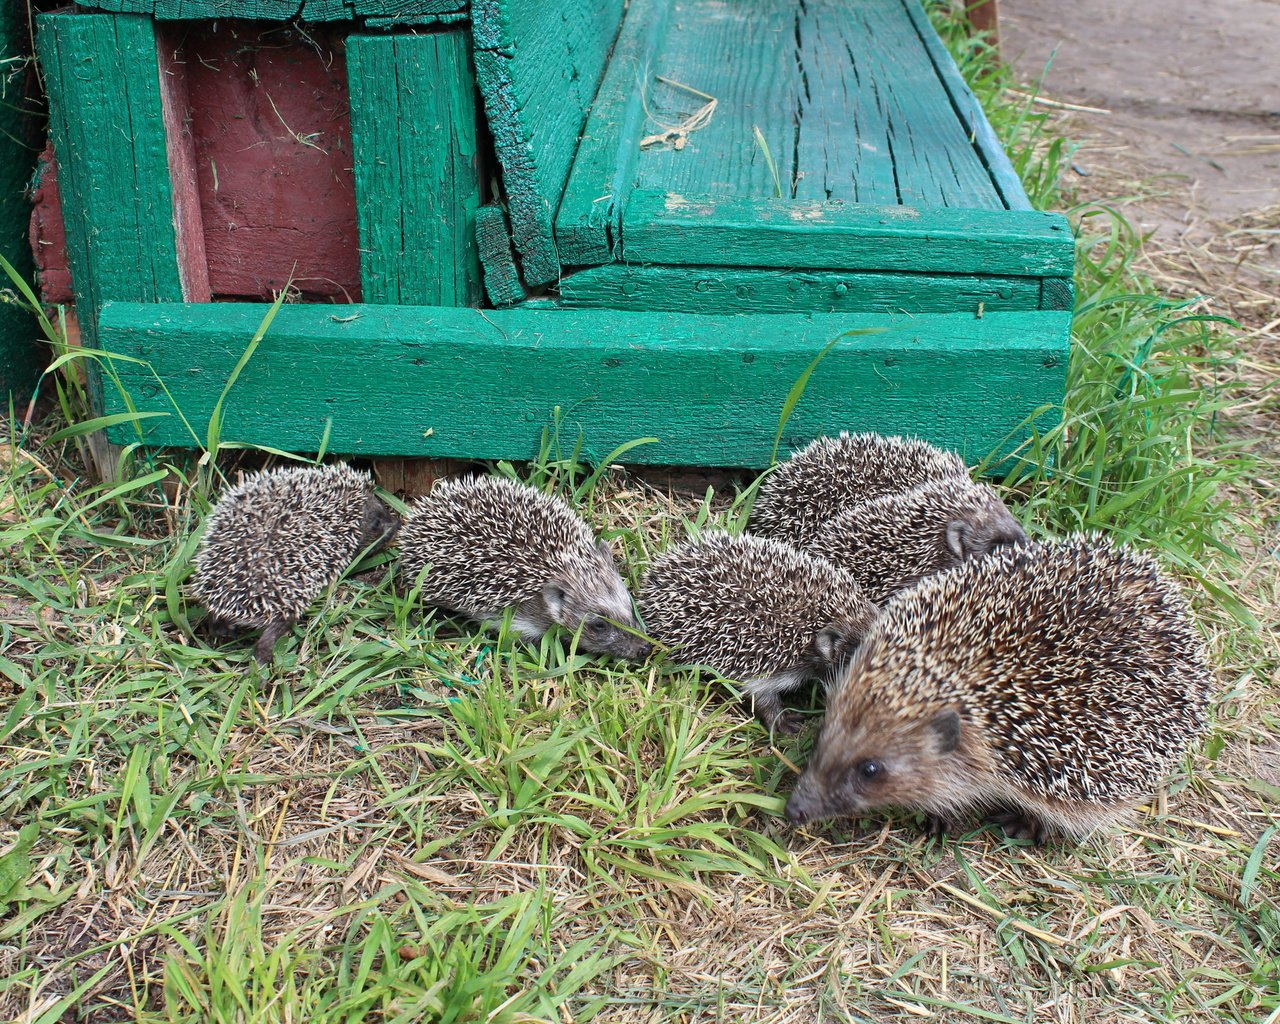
{"points": [[1180, 130], [1191, 90]]}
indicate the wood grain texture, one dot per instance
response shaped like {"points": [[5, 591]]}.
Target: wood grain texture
{"points": [[391, 11], [663, 227], [21, 359], [413, 133], [501, 279], [590, 216], [175, 105], [847, 98], [271, 128], [967, 108], [106, 119], [538, 65], [752, 290], [440, 381], [47, 233]]}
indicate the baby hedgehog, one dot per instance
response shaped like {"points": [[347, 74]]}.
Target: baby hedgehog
{"points": [[276, 540], [492, 544], [758, 611], [833, 473], [1054, 684], [894, 541]]}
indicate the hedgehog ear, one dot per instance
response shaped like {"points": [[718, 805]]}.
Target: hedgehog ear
{"points": [[957, 537], [828, 642], [946, 725], [553, 595], [602, 546]]}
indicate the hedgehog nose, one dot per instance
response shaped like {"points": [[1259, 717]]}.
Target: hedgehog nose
{"points": [[798, 809]]}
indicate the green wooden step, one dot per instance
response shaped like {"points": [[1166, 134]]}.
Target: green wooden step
{"points": [[441, 381], [842, 138]]}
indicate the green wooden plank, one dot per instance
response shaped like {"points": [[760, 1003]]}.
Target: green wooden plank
{"points": [[102, 76], [389, 12], [476, 384], [663, 227], [501, 279], [21, 359], [413, 133], [604, 168], [538, 65], [967, 108], [1057, 293], [846, 96], [751, 290]]}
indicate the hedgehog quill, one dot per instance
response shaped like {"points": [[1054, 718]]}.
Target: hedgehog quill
{"points": [[487, 544], [758, 611], [832, 474], [1053, 685], [892, 542], [276, 540]]}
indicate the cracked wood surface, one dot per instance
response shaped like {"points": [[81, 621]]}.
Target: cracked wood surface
{"points": [[437, 381]]}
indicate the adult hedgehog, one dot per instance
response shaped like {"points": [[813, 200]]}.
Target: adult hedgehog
{"points": [[1054, 684]]}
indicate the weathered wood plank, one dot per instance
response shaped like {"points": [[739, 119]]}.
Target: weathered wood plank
{"points": [[413, 132], [846, 96], [538, 65], [106, 117], [670, 228], [467, 383], [752, 290], [603, 172], [970, 112], [20, 357], [390, 11], [501, 279], [175, 102]]}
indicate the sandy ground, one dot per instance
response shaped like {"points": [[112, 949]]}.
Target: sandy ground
{"points": [[1192, 91]]}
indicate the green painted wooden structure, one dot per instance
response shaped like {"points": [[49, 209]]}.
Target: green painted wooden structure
{"points": [[674, 207], [21, 359]]}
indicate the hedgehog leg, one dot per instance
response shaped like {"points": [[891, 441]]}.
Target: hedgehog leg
{"points": [[763, 697], [273, 631], [1021, 825], [936, 825]]}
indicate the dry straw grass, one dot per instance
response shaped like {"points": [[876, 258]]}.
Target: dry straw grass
{"points": [[412, 821]]}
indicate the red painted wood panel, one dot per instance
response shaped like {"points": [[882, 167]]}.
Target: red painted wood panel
{"points": [[272, 140], [265, 138]]}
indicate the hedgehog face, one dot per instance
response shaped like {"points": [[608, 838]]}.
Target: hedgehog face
{"points": [[834, 647], [982, 531], [378, 524], [880, 762], [597, 602]]}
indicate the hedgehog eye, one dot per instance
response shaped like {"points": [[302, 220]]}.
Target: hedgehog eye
{"points": [[868, 770], [595, 624]]}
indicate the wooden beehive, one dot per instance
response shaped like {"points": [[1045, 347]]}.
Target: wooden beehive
{"points": [[652, 269]]}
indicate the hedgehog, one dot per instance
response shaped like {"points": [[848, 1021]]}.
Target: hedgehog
{"points": [[758, 611], [491, 544], [1052, 685], [894, 541], [276, 540], [831, 474]]}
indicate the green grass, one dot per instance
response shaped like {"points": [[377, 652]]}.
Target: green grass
{"points": [[411, 820]]}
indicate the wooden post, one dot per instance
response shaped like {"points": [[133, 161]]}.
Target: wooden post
{"points": [[984, 17], [413, 135]]}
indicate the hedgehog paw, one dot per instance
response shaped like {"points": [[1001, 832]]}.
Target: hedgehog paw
{"points": [[788, 723], [1020, 825], [936, 825]]}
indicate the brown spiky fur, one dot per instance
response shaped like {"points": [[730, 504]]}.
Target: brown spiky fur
{"points": [[892, 542], [834, 473], [276, 540], [1057, 682], [758, 611], [489, 544]]}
